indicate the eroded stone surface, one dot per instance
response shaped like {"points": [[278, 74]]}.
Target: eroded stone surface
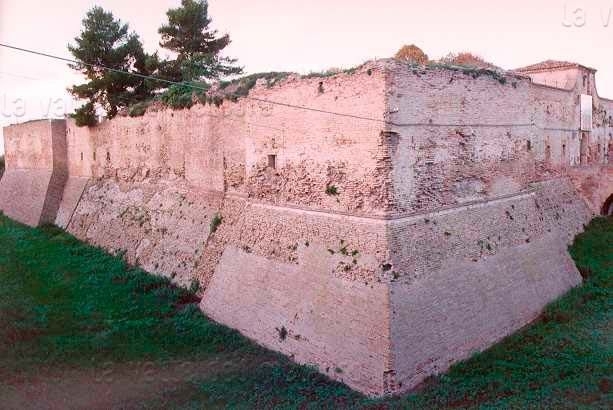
{"points": [[161, 227], [404, 218]]}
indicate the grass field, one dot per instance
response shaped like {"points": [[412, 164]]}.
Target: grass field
{"points": [[74, 318]]}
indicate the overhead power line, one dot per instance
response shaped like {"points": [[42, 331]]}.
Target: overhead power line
{"points": [[282, 104], [196, 87]]}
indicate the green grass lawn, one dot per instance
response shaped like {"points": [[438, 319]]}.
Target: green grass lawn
{"points": [[66, 305]]}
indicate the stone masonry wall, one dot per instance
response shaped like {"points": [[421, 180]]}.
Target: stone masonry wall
{"points": [[488, 269], [400, 220], [228, 148], [309, 285], [157, 180], [36, 171], [461, 136], [161, 227]]}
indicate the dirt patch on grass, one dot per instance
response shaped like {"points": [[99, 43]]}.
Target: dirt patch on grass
{"points": [[125, 385]]}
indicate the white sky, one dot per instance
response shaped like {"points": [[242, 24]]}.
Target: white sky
{"points": [[303, 36]]}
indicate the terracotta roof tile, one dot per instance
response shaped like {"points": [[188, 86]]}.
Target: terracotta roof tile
{"points": [[550, 65]]}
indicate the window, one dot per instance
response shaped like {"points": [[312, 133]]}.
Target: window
{"points": [[81, 156], [94, 155], [272, 161], [529, 145], [108, 156]]}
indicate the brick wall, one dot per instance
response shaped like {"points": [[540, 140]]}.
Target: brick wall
{"points": [[162, 227], [36, 171], [381, 244], [304, 283], [487, 270]]}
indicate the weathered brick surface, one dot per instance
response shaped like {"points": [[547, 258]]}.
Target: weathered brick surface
{"points": [[382, 246], [22, 194], [72, 193], [488, 269], [306, 312], [355, 247], [36, 161], [162, 227], [467, 306]]}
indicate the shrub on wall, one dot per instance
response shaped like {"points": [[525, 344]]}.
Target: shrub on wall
{"points": [[215, 222], [182, 95], [411, 54], [240, 87], [466, 59], [138, 109]]}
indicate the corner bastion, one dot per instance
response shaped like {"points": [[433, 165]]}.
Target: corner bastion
{"points": [[399, 221]]}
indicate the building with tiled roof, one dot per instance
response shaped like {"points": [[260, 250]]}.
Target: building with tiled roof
{"points": [[551, 65], [558, 74]]}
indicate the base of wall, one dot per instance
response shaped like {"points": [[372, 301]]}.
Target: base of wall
{"points": [[162, 227], [23, 193], [377, 304], [305, 312], [70, 199], [386, 332], [467, 306]]}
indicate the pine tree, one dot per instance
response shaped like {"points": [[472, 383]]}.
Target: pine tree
{"points": [[105, 41], [198, 47]]}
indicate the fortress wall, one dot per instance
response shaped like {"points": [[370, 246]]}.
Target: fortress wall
{"points": [[162, 227], [303, 283], [80, 150], [465, 290], [480, 230], [489, 136], [80, 161], [156, 183], [158, 180], [28, 146], [315, 150], [601, 137], [22, 194], [59, 173], [487, 270], [229, 147], [445, 163], [434, 226], [558, 141], [36, 170], [594, 184], [593, 178]]}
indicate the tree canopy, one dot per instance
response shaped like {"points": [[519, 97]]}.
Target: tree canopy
{"points": [[106, 42], [198, 47]]}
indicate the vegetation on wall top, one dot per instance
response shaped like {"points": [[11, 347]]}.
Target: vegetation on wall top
{"points": [[411, 54], [113, 60], [467, 59]]}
